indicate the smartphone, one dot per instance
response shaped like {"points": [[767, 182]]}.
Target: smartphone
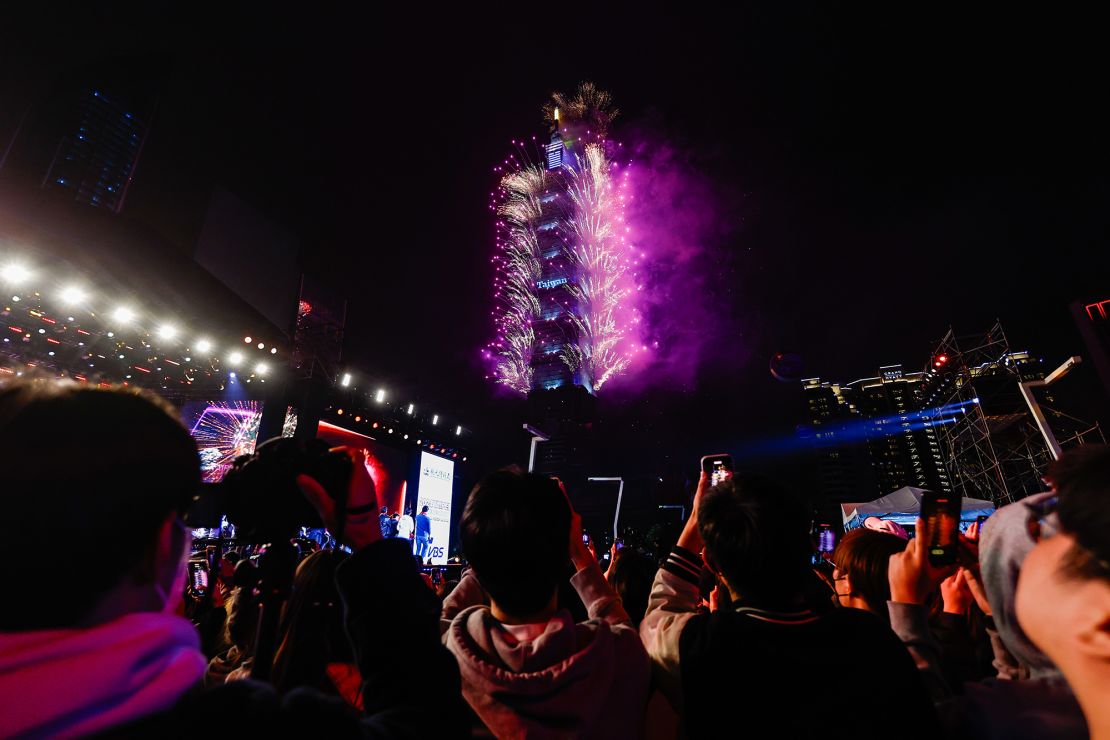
{"points": [[198, 575], [437, 576], [619, 543], [585, 539], [941, 513], [717, 467]]}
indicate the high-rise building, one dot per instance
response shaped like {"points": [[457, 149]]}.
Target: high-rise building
{"points": [[99, 150], [564, 268], [873, 436]]}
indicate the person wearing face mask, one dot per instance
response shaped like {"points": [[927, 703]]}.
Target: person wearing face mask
{"points": [[860, 577], [95, 644]]}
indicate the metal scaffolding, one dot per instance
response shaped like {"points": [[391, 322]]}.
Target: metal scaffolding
{"points": [[994, 449]]}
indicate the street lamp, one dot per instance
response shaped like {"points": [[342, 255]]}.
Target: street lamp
{"points": [[1035, 408]]}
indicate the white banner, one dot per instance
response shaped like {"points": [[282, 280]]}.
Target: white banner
{"points": [[437, 482]]}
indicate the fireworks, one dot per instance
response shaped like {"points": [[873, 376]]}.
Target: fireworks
{"points": [[520, 274], [565, 266], [223, 431]]}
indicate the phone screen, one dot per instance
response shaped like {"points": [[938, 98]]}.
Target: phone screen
{"points": [[585, 539], [941, 513], [619, 543], [826, 538], [718, 467], [200, 577]]}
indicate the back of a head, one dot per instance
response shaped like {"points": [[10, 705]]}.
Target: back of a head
{"points": [[864, 555], [92, 471], [515, 531], [312, 624], [756, 534], [1081, 478]]}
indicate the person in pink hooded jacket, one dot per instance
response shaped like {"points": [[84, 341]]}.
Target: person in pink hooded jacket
{"points": [[528, 670]]}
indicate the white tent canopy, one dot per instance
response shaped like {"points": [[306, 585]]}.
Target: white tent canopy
{"points": [[904, 506]]}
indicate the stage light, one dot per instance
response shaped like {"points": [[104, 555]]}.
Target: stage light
{"points": [[260, 369], [233, 376], [379, 396], [340, 412], [464, 459], [261, 345], [15, 299], [123, 315], [15, 273], [273, 350], [167, 332], [235, 358], [203, 345], [391, 431], [406, 436], [72, 295], [375, 425], [247, 340], [458, 431], [435, 419], [410, 409], [358, 418], [419, 441], [346, 381]]}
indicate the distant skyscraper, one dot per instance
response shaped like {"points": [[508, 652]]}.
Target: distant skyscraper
{"points": [[97, 156], [873, 436], [565, 269]]}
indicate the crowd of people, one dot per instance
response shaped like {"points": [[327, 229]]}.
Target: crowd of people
{"points": [[735, 632]]}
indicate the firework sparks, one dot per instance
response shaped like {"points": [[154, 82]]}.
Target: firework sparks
{"points": [[223, 431], [519, 268], [602, 261], [576, 281]]}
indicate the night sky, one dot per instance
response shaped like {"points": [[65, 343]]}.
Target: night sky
{"points": [[877, 178]]}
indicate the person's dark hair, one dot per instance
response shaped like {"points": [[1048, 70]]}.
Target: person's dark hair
{"points": [[312, 626], [245, 575], [424, 509], [1081, 478], [631, 576], [385, 510], [515, 531], [864, 555], [756, 534], [89, 470], [241, 626]]}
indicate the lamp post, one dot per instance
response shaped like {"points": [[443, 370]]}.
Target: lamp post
{"points": [[1035, 408]]}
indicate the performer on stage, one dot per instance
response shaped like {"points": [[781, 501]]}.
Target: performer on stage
{"points": [[423, 534]]}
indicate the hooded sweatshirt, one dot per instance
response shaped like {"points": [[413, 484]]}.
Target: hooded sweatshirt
{"points": [[1030, 698], [71, 682], [552, 680]]}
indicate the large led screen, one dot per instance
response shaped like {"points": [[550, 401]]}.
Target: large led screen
{"points": [[437, 482], [223, 431], [388, 466]]}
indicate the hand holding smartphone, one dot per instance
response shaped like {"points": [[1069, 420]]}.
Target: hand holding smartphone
{"points": [[941, 513], [717, 467]]}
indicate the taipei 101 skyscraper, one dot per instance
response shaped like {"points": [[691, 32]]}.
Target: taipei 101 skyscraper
{"points": [[565, 265]]}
